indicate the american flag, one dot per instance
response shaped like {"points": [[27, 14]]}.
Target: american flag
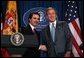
{"points": [[71, 16]]}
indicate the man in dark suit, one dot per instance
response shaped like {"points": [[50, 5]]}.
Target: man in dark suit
{"points": [[34, 19], [57, 36]]}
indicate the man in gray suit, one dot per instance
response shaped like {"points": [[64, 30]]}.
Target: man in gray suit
{"points": [[56, 36]]}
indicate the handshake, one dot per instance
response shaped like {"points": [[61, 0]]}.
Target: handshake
{"points": [[43, 48]]}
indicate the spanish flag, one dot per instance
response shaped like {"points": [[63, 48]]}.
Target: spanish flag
{"points": [[11, 19], [4, 52]]}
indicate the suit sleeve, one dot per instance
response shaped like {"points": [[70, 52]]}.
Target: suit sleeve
{"points": [[42, 38], [68, 37]]}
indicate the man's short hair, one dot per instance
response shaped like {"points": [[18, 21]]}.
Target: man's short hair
{"points": [[31, 14], [51, 8]]}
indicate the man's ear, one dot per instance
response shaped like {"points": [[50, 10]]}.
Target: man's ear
{"points": [[56, 17], [46, 16], [29, 20]]}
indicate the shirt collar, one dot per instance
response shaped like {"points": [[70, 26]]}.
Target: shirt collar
{"points": [[32, 27], [50, 23]]}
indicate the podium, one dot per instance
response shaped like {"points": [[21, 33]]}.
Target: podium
{"points": [[29, 41]]}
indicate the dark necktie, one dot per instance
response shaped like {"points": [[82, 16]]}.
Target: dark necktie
{"points": [[33, 30]]}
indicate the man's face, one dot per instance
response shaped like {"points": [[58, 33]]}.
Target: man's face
{"points": [[35, 20], [51, 14]]}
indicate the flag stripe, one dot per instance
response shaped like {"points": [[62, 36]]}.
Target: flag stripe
{"points": [[77, 28], [74, 51], [77, 21], [74, 33], [76, 46], [75, 40]]}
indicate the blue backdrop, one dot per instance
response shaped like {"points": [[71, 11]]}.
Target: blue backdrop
{"points": [[24, 6]]}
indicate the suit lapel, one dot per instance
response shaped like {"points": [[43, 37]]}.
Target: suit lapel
{"points": [[56, 29], [48, 33], [29, 30]]}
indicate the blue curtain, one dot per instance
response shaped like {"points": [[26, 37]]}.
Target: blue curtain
{"points": [[24, 6]]}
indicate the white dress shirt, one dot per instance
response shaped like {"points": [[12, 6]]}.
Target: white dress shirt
{"points": [[50, 23], [32, 27]]}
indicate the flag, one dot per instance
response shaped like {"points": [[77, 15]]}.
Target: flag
{"points": [[4, 52], [71, 16], [11, 19]]}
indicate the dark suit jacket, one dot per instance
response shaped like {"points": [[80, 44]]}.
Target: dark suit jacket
{"points": [[30, 51], [62, 42]]}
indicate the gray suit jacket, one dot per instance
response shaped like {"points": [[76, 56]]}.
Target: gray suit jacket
{"points": [[62, 42]]}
